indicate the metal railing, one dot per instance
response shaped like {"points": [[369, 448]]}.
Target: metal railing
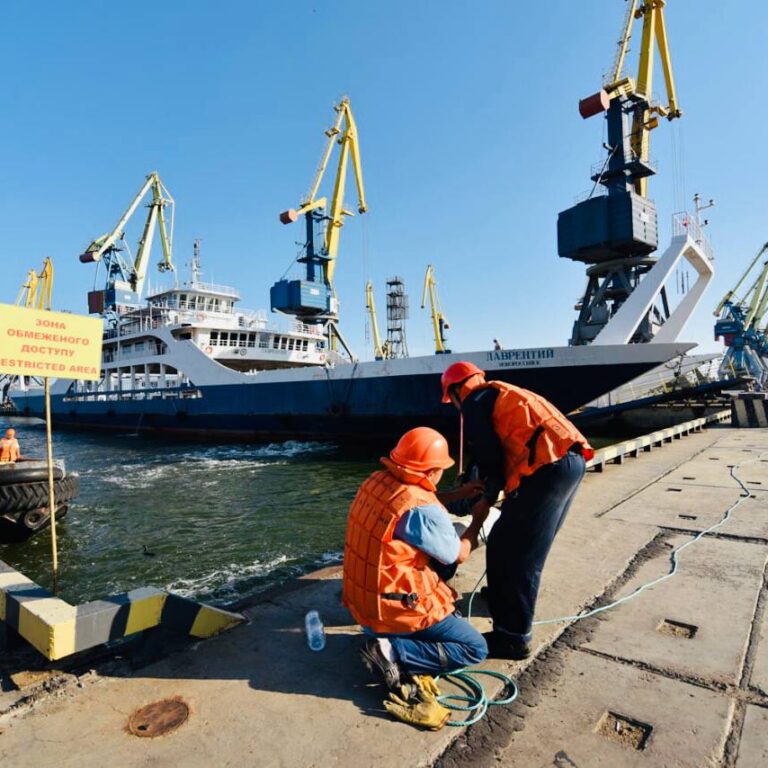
{"points": [[685, 224]]}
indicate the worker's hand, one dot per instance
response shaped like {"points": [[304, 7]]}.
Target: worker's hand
{"points": [[480, 510], [422, 688], [470, 489], [426, 714]]}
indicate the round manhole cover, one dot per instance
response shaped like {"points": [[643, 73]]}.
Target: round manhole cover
{"points": [[158, 718]]}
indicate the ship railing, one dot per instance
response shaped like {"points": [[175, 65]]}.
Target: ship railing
{"points": [[224, 290], [685, 224], [159, 393]]}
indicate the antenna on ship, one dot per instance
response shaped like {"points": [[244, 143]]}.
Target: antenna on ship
{"points": [[195, 266]]}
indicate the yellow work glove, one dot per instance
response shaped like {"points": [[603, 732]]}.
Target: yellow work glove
{"points": [[422, 688], [425, 714]]}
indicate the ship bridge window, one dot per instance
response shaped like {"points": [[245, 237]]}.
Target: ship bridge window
{"points": [[214, 338], [283, 342], [251, 339], [183, 300], [224, 338], [275, 342], [290, 344], [243, 340]]}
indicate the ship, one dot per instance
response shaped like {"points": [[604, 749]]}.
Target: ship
{"points": [[191, 363]]}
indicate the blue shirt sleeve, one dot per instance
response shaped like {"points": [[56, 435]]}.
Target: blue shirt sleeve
{"points": [[429, 529]]}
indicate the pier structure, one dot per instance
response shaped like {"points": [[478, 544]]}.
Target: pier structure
{"points": [[675, 676]]}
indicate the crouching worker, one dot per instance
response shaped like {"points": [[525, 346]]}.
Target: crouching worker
{"points": [[399, 541]]}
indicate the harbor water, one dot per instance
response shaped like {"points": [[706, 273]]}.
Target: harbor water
{"points": [[214, 521]]}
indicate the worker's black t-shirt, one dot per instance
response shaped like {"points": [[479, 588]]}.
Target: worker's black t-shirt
{"points": [[485, 449]]}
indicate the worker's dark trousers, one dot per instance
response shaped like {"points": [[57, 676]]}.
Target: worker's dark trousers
{"points": [[520, 540]]}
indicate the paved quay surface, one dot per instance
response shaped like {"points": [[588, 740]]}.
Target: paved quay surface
{"points": [[676, 677]]}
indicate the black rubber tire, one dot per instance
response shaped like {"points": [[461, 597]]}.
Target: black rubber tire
{"points": [[21, 474], [14, 498]]}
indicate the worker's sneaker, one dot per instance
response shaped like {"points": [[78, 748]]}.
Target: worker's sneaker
{"points": [[503, 646], [379, 665]]}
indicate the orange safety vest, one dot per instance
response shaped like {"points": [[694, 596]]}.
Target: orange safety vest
{"points": [[388, 585], [532, 432], [9, 449]]}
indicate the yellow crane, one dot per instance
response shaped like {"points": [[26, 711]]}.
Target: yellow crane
{"points": [[645, 113], [439, 322], [380, 351], [36, 290], [314, 299], [35, 293], [125, 281]]}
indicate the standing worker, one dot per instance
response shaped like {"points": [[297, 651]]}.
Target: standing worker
{"points": [[523, 445], [9, 447], [400, 546]]}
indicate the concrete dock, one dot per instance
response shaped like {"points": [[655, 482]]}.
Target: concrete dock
{"points": [[677, 676]]}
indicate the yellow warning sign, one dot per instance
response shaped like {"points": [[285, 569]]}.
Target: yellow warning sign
{"points": [[36, 342]]}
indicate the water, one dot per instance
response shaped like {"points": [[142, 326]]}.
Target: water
{"points": [[212, 521]]}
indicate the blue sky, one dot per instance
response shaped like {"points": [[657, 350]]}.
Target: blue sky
{"points": [[469, 131]]}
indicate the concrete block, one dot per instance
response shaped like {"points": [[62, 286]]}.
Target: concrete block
{"points": [[753, 749], [687, 723], [695, 508], [673, 625]]}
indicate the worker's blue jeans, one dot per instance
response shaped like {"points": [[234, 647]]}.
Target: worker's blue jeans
{"points": [[444, 647], [520, 541]]}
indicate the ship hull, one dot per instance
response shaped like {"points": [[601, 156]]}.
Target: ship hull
{"points": [[363, 401]]}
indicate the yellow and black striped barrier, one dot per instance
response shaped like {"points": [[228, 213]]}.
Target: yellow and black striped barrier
{"points": [[58, 629]]}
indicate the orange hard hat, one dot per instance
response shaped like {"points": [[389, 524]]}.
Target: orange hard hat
{"points": [[456, 373], [422, 449], [10, 433]]}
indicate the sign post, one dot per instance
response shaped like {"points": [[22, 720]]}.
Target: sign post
{"points": [[41, 343]]}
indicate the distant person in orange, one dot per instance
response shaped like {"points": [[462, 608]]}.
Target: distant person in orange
{"points": [[9, 447]]}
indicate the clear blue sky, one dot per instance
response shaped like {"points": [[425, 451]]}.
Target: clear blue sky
{"points": [[469, 131]]}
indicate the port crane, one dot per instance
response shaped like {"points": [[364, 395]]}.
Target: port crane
{"points": [[742, 324], [35, 293], [313, 298], [125, 280], [380, 351], [615, 229], [439, 322]]}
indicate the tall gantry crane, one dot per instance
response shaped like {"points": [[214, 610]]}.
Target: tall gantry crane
{"points": [[439, 322], [125, 279], [313, 299], [614, 230], [742, 324]]}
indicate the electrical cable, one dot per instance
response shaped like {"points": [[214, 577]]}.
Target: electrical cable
{"points": [[477, 701]]}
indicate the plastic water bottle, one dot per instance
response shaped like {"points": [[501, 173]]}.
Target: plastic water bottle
{"points": [[315, 631]]}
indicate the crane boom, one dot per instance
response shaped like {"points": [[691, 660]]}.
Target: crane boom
{"points": [[644, 113], [439, 323], [378, 349]]}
